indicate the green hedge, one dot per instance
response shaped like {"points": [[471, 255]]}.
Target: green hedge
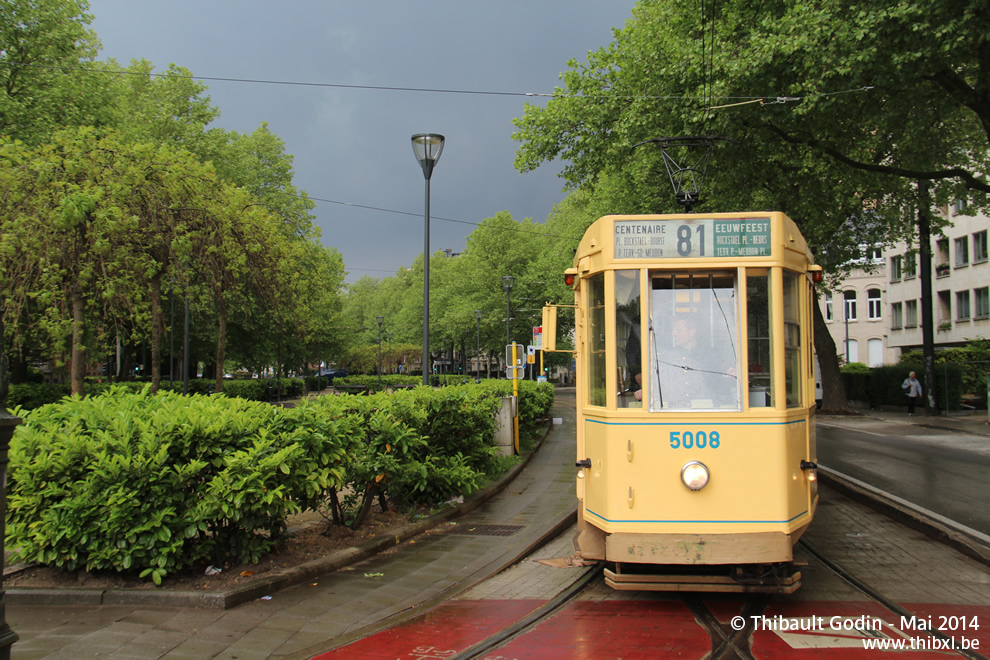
{"points": [[34, 395], [882, 385], [131, 481], [154, 484]]}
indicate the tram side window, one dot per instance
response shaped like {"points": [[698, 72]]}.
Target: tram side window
{"points": [[628, 342], [596, 339], [761, 391], [693, 344], [792, 338]]}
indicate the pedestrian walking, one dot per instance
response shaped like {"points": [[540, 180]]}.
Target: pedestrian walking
{"points": [[912, 389]]}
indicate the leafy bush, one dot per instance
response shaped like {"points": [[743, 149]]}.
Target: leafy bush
{"points": [[153, 484], [156, 483], [885, 384], [253, 389], [34, 395], [973, 362], [855, 367]]}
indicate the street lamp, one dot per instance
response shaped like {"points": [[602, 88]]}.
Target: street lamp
{"points": [[380, 319], [427, 147], [507, 282], [8, 423], [477, 315]]}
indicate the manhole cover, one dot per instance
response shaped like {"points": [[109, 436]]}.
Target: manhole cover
{"points": [[486, 530]]}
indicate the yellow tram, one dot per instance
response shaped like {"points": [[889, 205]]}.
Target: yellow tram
{"points": [[695, 399]]}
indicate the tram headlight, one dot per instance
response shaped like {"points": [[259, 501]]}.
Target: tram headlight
{"points": [[694, 475]]}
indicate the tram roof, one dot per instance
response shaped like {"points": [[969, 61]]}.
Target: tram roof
{"points": [[732, 239]]}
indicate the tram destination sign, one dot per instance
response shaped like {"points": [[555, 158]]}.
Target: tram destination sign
{"points": [[694, 238]]}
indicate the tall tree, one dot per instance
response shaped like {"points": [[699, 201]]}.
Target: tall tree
{"points": [[798, 86], [43, 44]]}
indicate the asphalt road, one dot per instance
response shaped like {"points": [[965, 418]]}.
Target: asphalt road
{"points": [[948, 473]]}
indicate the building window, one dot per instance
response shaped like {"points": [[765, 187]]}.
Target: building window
{"points": [[911, 314], [852, 350], [895, 268], [959, 206], [875, 254], [910, 266], [850, 299], [874, 349], [828, 306], [942, 251], [896, 316], [962, 306], [981, 308], [873, 304], [962, 251], [980, 246]]}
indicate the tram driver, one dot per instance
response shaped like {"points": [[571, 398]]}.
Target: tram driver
{"points": [[698, 370]]}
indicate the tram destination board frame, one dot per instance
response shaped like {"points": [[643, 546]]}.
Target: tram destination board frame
{"points": [[692, 238]]}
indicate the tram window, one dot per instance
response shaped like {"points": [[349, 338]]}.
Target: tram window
{"points": [[792, 339], [760, 390], [628, 343], [693, 356], [596, 339]]}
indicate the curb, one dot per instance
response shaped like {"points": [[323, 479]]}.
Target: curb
{"points": [[957, 537], [264, 585]]}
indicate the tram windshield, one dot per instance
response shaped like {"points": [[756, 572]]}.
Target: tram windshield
{"points": [[694, 341]]}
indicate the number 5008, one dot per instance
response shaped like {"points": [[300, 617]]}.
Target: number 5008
{"points": [[694, 439]]}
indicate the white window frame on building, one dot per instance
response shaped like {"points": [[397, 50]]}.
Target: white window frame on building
{"points": [[896, 265], [981, 303], [962, 305], [828, 307], [962, 251], [849, 304], [910, 313], [980, 247], [874, 349], [910, 266], [874, 305]]}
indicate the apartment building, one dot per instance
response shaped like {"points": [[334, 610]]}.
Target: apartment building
{"points": [[875, 317]]}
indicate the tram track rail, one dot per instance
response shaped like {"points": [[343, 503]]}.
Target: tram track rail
{"points": [[885, 602], [480, 649]]}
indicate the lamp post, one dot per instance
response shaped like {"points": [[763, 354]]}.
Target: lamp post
{"points": [[7, 425], [380, 319], [427, 147], [477, 315], [507, 282]]}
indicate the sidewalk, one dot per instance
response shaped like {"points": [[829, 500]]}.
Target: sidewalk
{"points": [[302, 621], [974, 422]]}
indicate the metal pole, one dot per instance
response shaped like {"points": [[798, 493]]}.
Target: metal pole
{"points": [[426, 287], [479, 350], [845, 313], [380, 318], [7, 425], [508, 314], [171, 338], [185, 351]]}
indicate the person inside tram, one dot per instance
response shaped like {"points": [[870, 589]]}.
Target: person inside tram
{"points": [[695, 373]]}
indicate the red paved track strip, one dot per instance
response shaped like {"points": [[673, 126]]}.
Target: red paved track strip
{"points": [[440, 633]]}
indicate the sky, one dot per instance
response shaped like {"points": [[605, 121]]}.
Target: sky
{"points": [[353, 146]]}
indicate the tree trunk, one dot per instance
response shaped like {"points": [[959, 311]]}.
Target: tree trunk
{"points": [[156, 332], [78, 370], [221, 343], [833, 389]]}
